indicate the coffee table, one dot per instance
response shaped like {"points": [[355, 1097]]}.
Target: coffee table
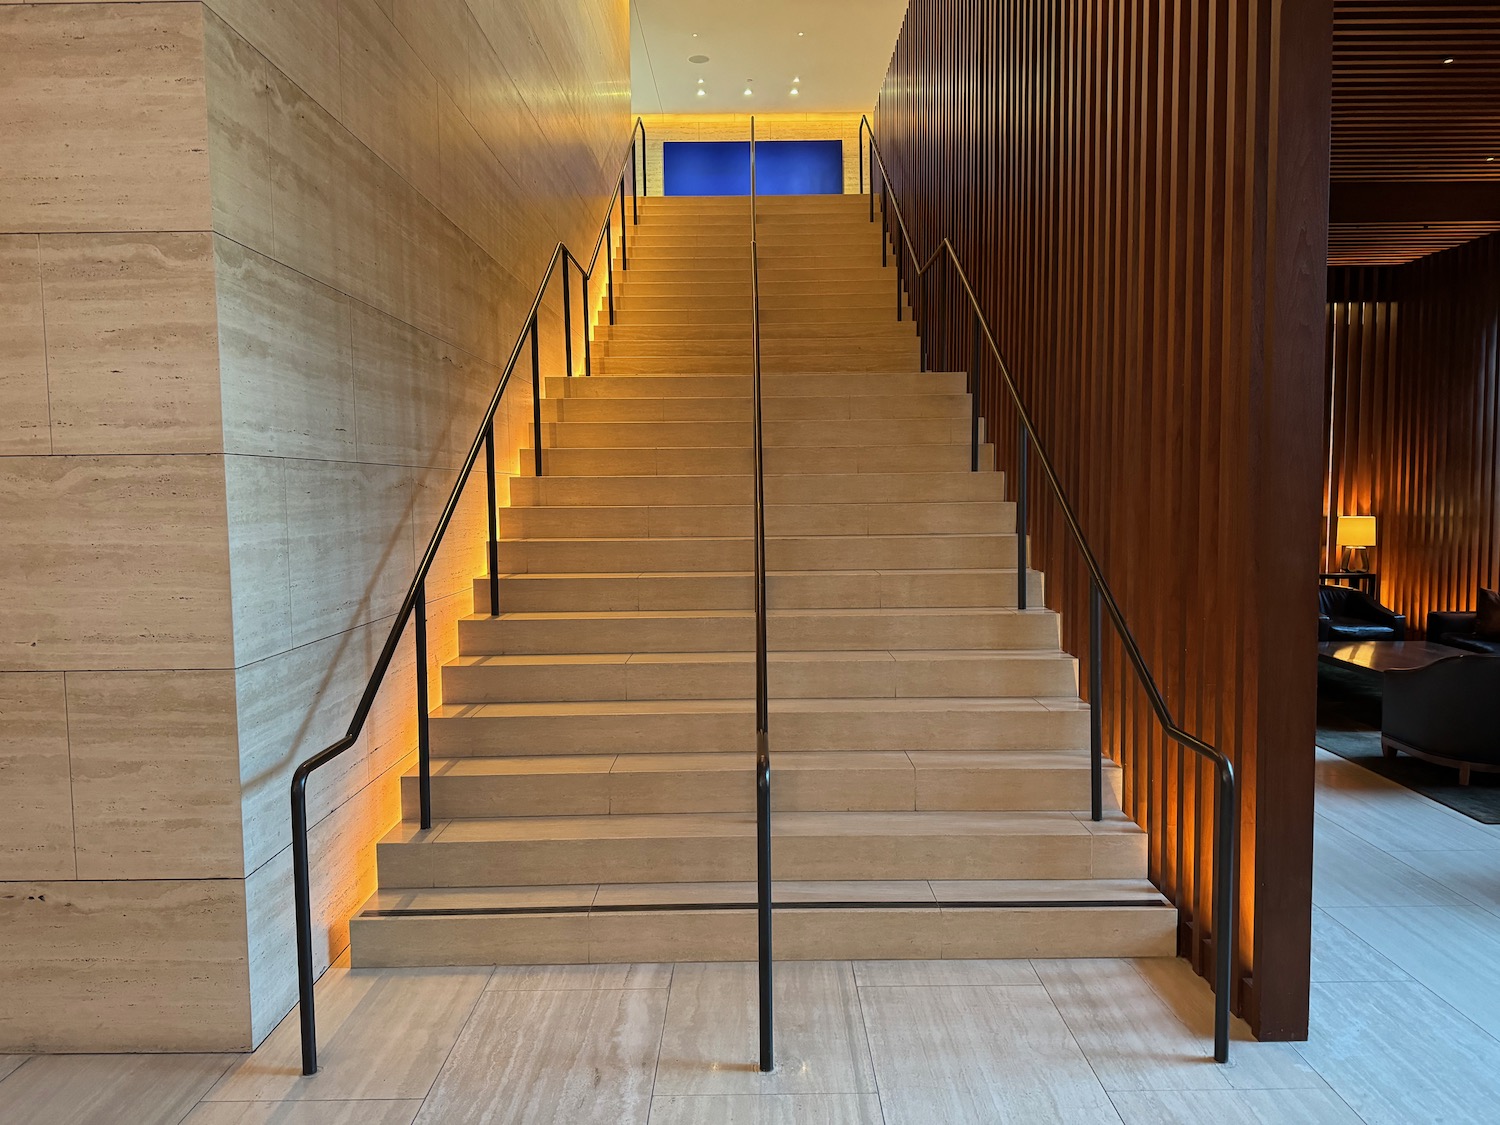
{"points": [[1385, 656]]}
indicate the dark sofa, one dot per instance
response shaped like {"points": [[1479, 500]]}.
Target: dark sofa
{"points": [[1457, 630], [1447, 712], [1347, 614]]}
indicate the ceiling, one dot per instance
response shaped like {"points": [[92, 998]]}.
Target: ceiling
{"points": [[1416, 138], [839, 49]]}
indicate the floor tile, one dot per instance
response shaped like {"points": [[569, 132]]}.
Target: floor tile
{"points": [[566, 1057], [1390, 815], [966, 1056], [9, 1063], [1350, 871], [767, 1109], [107, 1089], [305, 1113], [1453, 951], [1399, 1055], [711, 1041], [1233, 1107], [563, 978], [995, 974], [382, 1034], [1474, 875], [1339, 956], [1148, 1025]]}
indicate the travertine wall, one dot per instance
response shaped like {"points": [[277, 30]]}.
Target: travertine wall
{"points": [[662, 127], [227, 447]]}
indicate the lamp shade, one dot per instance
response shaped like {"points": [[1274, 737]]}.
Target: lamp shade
{"points": [[1356, 531]]}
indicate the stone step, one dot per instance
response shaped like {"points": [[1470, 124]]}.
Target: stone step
{"points": [[835, 339], [813, 385], [910, 589], [830, 488], [687, 555], [865, 920], [879, 357], [701, 847], [731, 675], [678, 462], [739, 408], [812, 781], [673, 521], [777, 433]]}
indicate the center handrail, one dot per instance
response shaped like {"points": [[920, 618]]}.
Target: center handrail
{"points": [[414, 605], [1226, 807], [762, 691]]}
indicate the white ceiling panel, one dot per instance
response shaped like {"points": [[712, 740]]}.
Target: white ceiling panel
{"points": [[837, 50]]}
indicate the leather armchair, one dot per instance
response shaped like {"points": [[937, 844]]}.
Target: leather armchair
{"points": [[1457, 630], [1347, 614], [1447, 712]]}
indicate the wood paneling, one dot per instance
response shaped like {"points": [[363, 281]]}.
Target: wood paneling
{"points": [[1414, 434], [1139, 193]]}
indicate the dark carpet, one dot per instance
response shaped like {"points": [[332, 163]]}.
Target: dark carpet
{"points": [[1349, 726]]}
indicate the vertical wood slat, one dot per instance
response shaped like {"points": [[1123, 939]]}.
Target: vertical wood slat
{"points": [[1413, 361], [1138, 191]]}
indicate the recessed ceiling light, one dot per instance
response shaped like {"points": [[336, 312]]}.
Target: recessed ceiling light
{"points": [[702, 92], [1489, 158], [697, 58], [794, 91], [747, 91], [795, 81], [799, 35], [700, 81], [1447, 61]]}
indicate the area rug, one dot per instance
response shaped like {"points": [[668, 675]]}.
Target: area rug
{"points": [[1349, 726]]}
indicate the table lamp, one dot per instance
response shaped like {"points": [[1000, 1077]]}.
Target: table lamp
{"points": [[1356, 535]]}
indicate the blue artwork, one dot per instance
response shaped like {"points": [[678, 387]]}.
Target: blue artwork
{"points": [[781, 167]]}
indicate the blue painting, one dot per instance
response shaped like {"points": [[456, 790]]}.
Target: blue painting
{"points": [[781, 167]]}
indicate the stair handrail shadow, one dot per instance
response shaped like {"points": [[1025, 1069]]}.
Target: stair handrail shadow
{"points": [[413, 607], [1101, 597]]}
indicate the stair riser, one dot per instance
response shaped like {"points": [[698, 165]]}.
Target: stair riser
{"points": [[692, 313], [738, 386], [895, 357], [678, 520], [828, 340], [859, 488], [801, 935], [719, 859], [672, 732], [783, 288], [618, 593], [953, 408], [827, 552], [883, 678], [784, 460], [779, 434], [812, 632], [716, 791]]}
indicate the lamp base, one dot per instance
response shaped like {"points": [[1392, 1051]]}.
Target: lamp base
{"points": [[1356, 559]]}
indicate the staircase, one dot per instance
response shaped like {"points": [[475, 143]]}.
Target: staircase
{"points": [[594, 753]]}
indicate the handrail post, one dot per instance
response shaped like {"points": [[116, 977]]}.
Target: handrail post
{"points": [[536, 393], [1021, 490], [885, 225], [860, 144], [609, 264], [763, 901], [302, 900], [494, 517], [567, 289], [624, 250], [974, 396], [1226, 814], [635, 199], [1096, 701], [588, 327], [872, 178], [424, 734]]}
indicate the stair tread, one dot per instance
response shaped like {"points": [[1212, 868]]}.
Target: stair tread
{"points": [[778, 706], [531, 660], [656, 826], [416, 900]]}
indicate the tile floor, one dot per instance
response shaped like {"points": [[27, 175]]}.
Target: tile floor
{"points": [[1405, 1027]]}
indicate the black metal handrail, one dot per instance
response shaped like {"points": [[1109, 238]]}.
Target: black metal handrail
{"points": [[1101, 597], [762, 691], [414, 605]]}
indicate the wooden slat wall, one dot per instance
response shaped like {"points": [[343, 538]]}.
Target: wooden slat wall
{"points": [[1106, 170], [1414, 383]]}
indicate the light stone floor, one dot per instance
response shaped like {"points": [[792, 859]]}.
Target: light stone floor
{"points": [[1405, 1027]]}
